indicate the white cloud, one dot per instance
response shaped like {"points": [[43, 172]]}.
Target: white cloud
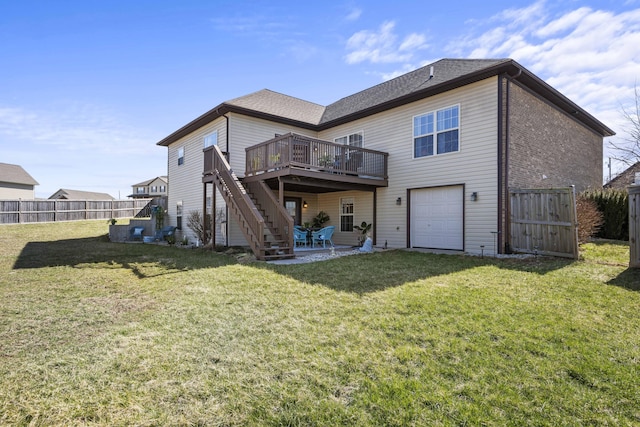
{"points": [[383, 45], [591, 56]]}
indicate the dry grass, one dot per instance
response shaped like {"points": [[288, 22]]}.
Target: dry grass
{"points": [[96, 333]]}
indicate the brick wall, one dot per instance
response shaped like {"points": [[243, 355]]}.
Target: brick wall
{"points": [[548, 148]]}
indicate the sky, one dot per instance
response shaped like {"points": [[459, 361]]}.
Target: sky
{"points": [[87, 88]]}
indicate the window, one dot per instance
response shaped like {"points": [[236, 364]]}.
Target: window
{"points": [[163, 189], [211, 139], [179, 215], [154, 189], [346, 214], [180, 156], [441, 127], [355, 140], [140, 190]]}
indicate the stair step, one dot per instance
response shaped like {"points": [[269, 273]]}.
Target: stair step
{"points": [[278, 256]]}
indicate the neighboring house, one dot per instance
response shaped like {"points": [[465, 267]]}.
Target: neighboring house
{"points": [[79, 195], [16, 183], [626, 178], [428, 158], [155, 187]]}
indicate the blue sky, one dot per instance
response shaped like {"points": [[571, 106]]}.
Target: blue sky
{"points": [[88, 87]]}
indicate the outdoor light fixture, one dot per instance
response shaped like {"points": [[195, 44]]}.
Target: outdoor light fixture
{"points": [[399, 201], [474, 196], [304, 204]]}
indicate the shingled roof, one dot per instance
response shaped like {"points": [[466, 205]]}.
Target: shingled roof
{"points": [[67, 194], [15, 174], [447, 74]]}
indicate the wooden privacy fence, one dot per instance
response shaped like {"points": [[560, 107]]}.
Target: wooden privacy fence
{"points": [[543, 221], [28, 211]]}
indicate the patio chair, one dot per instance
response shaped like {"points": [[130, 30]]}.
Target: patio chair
{"points": [[164, 232], [135, 233], [299, 236], [323, 235]]}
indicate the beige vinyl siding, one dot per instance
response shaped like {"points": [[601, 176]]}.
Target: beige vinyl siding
{"points": [[245, 132], [185, 181], [10, 191], [474, 165], [362, 210], [248, 131]]}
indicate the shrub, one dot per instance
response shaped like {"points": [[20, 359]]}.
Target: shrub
{"points": [[614, 206], [196, 224], [590, 219]]}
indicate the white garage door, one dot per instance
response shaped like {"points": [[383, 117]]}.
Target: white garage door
{"points": [[437, 218]]}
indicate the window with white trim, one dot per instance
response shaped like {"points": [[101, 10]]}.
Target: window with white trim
{"points": [[436, 132], [180, 156], [179, 215], [346, 214], [211, 139], [163, 189], [354, 140]]}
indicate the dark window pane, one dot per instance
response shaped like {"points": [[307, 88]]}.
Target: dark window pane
{"points": [[448, 141], [423, 146], [346, 223]]}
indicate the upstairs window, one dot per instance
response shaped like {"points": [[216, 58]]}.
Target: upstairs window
{"points": [[180, 156], [211, 139], [436, 132], [163, 189], [354, 140], [140, 190], [154, 189]]}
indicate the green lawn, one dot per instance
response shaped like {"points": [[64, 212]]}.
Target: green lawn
{"points": [[99, 333]]}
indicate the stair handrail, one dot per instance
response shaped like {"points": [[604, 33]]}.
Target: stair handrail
{"points": [[238, 196], [283, 220]]}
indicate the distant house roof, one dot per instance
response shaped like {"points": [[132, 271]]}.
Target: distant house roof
{"points": [[149, 181], [80, 195], [625, 179], [14, 174], [447, 74]]}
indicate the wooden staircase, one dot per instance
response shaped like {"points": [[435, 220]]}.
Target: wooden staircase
{"points": [[266, 225]]}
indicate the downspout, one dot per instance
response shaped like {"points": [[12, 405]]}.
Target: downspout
{"points": [[226, 223], [505, 190]]}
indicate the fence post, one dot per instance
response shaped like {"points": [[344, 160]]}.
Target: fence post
{"points": [[634, 226]]}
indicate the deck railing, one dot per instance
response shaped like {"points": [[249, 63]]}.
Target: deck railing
{"points": [[297, 151]]}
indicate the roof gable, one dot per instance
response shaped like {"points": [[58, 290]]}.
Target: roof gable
{"points": [[277, 104], [80, 195], [15, 174]]}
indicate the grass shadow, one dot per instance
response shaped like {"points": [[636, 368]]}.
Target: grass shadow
{"points": [[84, 252], [628, 279], [367, 273]]}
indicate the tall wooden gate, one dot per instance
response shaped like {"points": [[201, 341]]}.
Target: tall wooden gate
{"points": [[543, 221]]}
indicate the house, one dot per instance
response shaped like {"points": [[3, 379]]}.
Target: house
{"points": [[67, 194], [155, 187], [428, 158], [16, 183], [626, 178]]}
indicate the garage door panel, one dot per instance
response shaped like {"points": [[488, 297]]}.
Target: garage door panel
{"points": [[437, 218]]}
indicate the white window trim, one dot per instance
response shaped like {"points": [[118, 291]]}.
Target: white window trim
{"points": [[209, 137], [341, 214], [180, 155], [361, 133], [435, 133]]}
